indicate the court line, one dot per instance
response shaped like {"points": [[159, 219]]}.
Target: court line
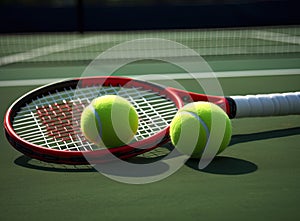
{"points": [[50, 49], [278, 37], [175, 76], [88, 41], [29, 82]]}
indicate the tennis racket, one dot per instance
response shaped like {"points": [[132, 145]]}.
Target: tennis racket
{"points": [[45, 123]]}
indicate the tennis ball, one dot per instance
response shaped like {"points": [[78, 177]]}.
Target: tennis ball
{"points": [[109, 121], [191, 128]]}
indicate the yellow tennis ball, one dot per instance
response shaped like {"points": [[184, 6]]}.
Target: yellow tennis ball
{"points": [[191, 128], [109, 121]]}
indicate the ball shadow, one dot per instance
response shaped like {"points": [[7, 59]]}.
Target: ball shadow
{"points": [[220, 164], [225, 165]]}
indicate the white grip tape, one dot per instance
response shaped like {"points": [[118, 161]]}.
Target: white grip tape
{"points": [[267, 104]]}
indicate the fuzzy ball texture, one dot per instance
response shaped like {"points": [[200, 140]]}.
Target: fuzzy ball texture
{"points": [[191, 128], [109, 121]]}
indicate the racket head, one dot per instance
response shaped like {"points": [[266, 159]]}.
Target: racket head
{"points": [[44, 104]]}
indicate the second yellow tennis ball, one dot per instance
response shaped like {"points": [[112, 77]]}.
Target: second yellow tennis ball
{"points": [[191, 128], [109, 121]]}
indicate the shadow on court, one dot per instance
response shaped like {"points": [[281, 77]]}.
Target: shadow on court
{"points": [[234, 166], [30, 163], [220, 165], [225, 166], [243, 138]]}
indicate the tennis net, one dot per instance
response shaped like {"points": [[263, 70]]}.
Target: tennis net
{"points": [[75, 47]]}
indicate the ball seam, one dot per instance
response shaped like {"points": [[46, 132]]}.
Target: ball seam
{"points": [[99, 138], [207, 133]]}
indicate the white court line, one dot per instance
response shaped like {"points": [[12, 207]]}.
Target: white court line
{"points": [[274, 36], [31, 82], [47, 50], [83, 42], [157, 77]]}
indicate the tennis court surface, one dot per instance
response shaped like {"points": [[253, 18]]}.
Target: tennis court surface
{"points": [[256, 178]]}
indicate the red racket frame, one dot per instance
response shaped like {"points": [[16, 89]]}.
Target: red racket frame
{"points": [[179, 97]]}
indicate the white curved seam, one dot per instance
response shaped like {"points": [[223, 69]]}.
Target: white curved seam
{"points": [[98, 121]]}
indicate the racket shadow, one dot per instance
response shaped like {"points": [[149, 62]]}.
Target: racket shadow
{"points": [[220, 165], [243, 138], [30, 163]]}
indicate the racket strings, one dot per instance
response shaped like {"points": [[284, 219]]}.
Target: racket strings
{"points": [[47, 121], [53, 120], [151, 116]]}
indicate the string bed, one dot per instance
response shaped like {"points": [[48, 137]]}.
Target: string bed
{"points": [[53, 120]]}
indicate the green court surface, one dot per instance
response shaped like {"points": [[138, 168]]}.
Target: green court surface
{"points": [[256, 178]]}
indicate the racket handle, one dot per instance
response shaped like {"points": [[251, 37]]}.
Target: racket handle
{"points": [[267, 104]]}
